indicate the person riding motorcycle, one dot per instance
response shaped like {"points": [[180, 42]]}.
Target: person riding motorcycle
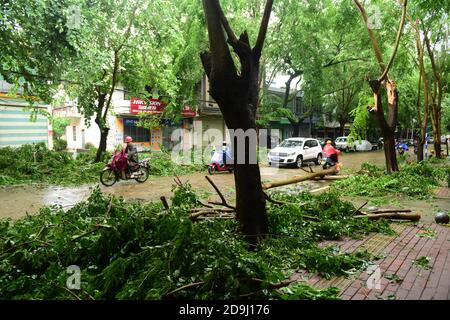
{"points": [[330, 152], [131, 150]]}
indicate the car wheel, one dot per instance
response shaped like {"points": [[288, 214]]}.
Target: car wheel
{"points": [[270, 164], [319, 159], [299, 162]]}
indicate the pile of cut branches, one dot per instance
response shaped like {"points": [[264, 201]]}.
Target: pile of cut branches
{"points": [[159, 251]]}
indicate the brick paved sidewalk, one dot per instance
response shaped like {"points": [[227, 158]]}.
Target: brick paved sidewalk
{"points": [[443, 192], [401, 278]]}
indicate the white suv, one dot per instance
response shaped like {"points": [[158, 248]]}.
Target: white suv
{"points": [[295, 151]]}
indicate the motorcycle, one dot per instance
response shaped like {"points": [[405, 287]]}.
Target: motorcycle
{"points": [[402, 147], [217, 165], [118, 169], [327, 163]]}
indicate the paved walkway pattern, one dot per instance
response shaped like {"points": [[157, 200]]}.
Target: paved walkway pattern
{"points": [[443, 192], [397, 274]]}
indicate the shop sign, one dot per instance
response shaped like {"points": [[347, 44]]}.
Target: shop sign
{"points": [[155, 106]]}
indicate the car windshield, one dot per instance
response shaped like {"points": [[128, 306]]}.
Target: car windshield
{"points": [[291, 143], [341, 140]]}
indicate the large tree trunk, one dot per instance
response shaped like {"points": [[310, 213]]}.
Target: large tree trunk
{"points": [[296, 131], [389, 151], [237, 96], [387, 127], [250, 202], [342, 128], [420, 149], [436, 120]]}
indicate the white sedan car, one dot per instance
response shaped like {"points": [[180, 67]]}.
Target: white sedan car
{"points": [[347, 144], [295, 151]]}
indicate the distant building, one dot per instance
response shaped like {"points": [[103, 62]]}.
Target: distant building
{"points": [[17, 127], [122, 121]]}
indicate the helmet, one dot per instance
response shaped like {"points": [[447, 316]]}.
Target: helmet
{"points": [[128, 139]]}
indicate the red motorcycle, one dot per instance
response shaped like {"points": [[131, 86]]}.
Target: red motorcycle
{"points": [[217, 165], [118, 169]]}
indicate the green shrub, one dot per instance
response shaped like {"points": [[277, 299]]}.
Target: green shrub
{"points": [[60, 145]]}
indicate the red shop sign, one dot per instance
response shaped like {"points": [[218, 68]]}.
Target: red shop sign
{"points": [[155, 106]]}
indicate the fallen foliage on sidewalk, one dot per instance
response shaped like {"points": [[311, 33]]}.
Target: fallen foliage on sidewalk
{"points": [[128, 250], [413, 180]]}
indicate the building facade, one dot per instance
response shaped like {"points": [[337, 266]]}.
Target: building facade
{"points": [[123, 121], [21, 124]]}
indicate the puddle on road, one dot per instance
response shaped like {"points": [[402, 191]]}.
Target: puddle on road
{"points": [[20, 200]]}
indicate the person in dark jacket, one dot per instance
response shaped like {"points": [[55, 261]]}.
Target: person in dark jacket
{"points": [[132, 154]]}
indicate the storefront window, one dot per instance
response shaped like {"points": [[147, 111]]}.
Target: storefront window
{"points": [[138, 134]]}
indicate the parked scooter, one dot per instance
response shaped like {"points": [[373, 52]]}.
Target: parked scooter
{"points": [[221, 161], [118, 169], [401, 147]]}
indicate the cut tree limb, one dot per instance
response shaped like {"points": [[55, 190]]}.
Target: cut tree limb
{"points": [[297, 179], [358, 210], [388, 211], [164, 202], [333, 177], [320, 189], [224, 201], [393, 216], [195, 215]]}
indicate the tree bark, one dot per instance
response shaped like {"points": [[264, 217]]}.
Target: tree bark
{"points": [[102, 126], [389, 151], [296, 129], [342, 129], [297, 179], [102, 146]]}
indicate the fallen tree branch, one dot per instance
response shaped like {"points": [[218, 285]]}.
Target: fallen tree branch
{"points": [[97, 227], [320, 189], [204, 204], [164, 202], [332, 177], [271, 286], [388, 211], [393, 216], [224, 201], [210, 209], [358, 210], [297, 179], [195, 284], [304, 170], [280, 203]]}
